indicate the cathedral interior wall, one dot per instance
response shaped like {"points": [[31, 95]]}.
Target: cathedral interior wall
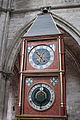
{"points": [[16, 16]]}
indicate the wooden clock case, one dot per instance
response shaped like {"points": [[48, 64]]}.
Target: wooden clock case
{"points": [[58, 109]]}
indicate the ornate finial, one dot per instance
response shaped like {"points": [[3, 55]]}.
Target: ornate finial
{"points": [[45, 9]]}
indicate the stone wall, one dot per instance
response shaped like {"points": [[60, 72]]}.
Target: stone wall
{"points": [[20, 4], [73, 89], [16, 16]]}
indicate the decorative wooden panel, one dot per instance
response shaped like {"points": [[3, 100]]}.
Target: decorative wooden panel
{"points": [[53, 83], [46, 54], [42, 80]]}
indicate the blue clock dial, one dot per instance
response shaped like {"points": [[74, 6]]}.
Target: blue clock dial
{"points": [[41, 57]]}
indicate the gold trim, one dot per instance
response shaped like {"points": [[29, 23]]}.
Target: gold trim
{"points": [[24, 116], [41, 71], [35, 39], [20, 89], [22, 56], [31, 118], [60, 65], [42, 118], [23, 95], [25, 51], [40, 75]]}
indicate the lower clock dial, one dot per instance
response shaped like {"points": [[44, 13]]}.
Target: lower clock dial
{"points": [[41, 96]]}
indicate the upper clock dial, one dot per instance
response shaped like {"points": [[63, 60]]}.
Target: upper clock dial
{"points": [[41, 57]]}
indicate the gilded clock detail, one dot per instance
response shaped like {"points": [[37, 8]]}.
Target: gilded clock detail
{"points": [[41, 56], [41, 97]]}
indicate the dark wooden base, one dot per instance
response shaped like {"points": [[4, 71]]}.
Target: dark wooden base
{"points": [[28, 117]]}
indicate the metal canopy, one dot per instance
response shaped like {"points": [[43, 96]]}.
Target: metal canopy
{"points": [[43, 25]]}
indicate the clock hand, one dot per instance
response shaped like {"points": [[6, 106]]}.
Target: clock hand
{"points": [[41, 57], [38, 53]]}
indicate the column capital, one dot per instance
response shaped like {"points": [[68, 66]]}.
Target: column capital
{"points": [[6, 75]]}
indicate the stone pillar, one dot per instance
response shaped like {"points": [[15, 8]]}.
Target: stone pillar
{"points": [[2, 94], [4, 24], [6, 95], [10, 97], [4, 84], [8, 91]]}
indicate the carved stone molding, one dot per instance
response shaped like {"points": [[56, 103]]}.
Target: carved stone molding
{"points": [[17, 11]]}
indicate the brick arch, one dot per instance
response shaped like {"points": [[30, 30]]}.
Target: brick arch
{"points": [[67, 27]]}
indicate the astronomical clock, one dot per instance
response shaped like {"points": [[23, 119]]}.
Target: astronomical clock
{"points": [[42, 75]]}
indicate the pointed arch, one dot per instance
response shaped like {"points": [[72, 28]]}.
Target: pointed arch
{"points": [[71, 30]]}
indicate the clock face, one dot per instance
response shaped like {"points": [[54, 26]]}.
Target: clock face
{"points": [[41, 97], [41, 57]]}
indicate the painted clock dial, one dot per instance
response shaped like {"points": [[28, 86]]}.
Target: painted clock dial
{"points": [[41, 57], [41, 97]]}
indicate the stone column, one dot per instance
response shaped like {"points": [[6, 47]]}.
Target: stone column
{"points": [[6, 95], [10, 97], [2, 93], [4, 24], [4, 86]]}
